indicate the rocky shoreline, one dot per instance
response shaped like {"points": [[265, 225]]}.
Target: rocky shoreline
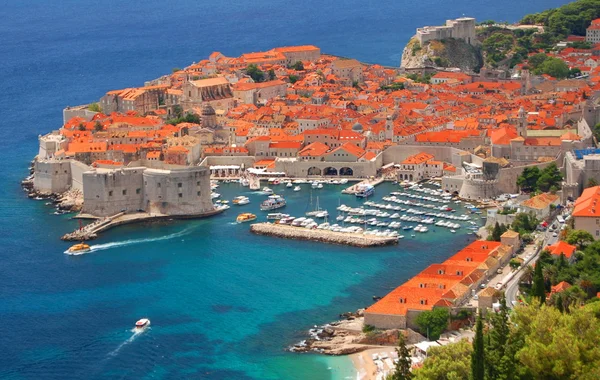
{"points": [[346, 336], [69, 201]]}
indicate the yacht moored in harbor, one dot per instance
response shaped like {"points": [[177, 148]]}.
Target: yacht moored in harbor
{"points": [[273, 202], [365, 190]]}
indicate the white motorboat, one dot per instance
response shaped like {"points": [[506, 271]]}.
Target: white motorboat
{"points": [[314, 185], [297, 188], [289, 184], [142, 324], [320, 186], [267, 190]]}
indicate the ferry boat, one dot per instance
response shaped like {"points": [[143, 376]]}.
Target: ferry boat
{"points": [[364, 191], [245, 217], [272, 203], [79, 248], [142, 323], [241, 200]]}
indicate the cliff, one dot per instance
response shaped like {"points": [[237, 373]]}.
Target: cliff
{"points": [[443, 53]]}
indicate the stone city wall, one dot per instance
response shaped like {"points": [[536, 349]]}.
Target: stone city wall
{"points": [[385, 321], [52, 176], [108, 192]]}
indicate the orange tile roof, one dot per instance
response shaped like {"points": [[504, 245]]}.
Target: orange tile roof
{"points": [[562, 247], [350, 148], [418, 158], [315, 149], [586, 205], [540, 201], [561, 286]]}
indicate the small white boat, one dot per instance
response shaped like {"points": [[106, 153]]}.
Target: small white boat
{"points": [[142, 323], [343, 181], [267, 190], [289, 184], [320, 186], [315, 184], [297, 188], [453, 231]]}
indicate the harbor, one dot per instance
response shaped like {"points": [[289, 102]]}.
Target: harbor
{"points": [[324, 236]]}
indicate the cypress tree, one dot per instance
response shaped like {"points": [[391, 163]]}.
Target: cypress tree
{"points": [[402, 371], [478, 355], [538, 289]]}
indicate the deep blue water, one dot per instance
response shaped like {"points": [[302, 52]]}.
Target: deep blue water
{"points": [[223, 303]]}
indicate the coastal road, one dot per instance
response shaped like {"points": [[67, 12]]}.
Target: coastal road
{"points": [[530, 255]]}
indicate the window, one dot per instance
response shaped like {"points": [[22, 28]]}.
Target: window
{"points": [[198, 193], [180, 195], [179, 185], [421, 285], [124, 192], [110, 193], [198, 183], [137, 191], [159, 185]]}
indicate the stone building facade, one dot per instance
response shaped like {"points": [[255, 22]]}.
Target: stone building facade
{"points": [[461, 29]]}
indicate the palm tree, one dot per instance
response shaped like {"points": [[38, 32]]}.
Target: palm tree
{"points": [[527, 276]]}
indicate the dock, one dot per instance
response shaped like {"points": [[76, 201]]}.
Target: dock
{"points": [[91, 231], [354, 188], [323, 236]]}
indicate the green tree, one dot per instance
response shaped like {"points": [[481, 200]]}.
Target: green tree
{"points": [[580, 238], [591, 183], [558, 345], [298, 66], [402, 370], [528, 179], [524, 223], [433, 323], [498, 361], [255, 73], [536, 60], [272, 75], [554, 67], [497, 232], [293, 78], [81, 127], [94, 107], [449, 362], [514, 264], [478, 354], [98, 126], [538, 289], [176, 69], [549, 176]]}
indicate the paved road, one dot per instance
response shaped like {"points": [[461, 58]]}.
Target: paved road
{"points": [[530, 255]]}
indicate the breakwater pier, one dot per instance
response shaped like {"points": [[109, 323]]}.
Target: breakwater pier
{"points": [[324, 236], [354, 188]]}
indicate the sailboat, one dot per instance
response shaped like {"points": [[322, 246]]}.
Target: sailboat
{"points": [[317, 211]]}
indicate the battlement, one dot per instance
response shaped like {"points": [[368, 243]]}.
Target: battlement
{"points": [[461, 28]]}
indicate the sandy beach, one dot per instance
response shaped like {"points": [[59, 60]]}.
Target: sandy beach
{"points": [[367, 368]]}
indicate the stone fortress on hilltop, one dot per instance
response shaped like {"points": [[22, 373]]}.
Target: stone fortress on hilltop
{"points": [[462, 28]]}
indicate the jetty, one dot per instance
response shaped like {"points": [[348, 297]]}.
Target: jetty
{"points": [[323, 236], [91, 231], [354, 188]]}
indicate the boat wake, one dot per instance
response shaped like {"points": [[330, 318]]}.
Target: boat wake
{"points": [[136, 334], [116, 244]]}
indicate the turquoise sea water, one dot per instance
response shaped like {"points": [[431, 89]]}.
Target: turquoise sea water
{"points": [[223, 303]]}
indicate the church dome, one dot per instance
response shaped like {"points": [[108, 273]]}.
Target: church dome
{"points": [[207, 110], [357, 127]]}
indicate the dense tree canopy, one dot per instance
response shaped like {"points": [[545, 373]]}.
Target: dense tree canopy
{"points": [[449, 362], [255, 73], [433, 323], [534, 179], [572, 18], [524, 223]]}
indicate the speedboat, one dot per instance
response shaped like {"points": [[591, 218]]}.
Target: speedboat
{"points": [[78, 249], [320, 186], [266, 190], [245, 217], [289, 184], [142, 323], [297, 188], [241, 200], [314, 185]]}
